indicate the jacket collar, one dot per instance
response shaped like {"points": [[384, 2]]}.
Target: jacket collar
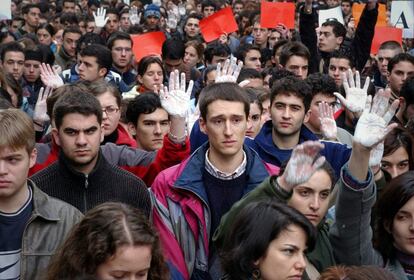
{"points": [[66, 166], [41, 206], [191, 177]]}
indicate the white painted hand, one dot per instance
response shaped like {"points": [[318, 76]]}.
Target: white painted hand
{"points": [[50, 77], [375, 156], [372, 126], [175, 99], [100, 19], [172, 20], [355, 95], [134, 17], [328, 125], [303, 163], [40, 111], [230, 71]]}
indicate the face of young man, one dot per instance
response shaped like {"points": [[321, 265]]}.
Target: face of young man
{"points": [[69, 43], [32, 17], [288, 114], [150, 129], [14, 64], [383, 57], [122, 53], [252, 60], [112, 24], [313, 122], [68, 7], [399, 73], [80, 137], [208, 11], [260, 34], [297, 65], [89, 69], [192, 27], [346, 8], [31, 70], [225, 125], [312, 197], [337, 66], [237, 8], [328, 42], [14, 168], [125, 23]]}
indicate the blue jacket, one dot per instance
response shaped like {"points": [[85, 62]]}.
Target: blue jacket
{"points": [[337, 154]]}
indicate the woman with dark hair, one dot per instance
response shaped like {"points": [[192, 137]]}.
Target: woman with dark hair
{"points": [[365, 272], [113, 241], [267, 241], [13, 92], [45, 33], [151, 74]]}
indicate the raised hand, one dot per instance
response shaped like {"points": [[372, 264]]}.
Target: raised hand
{"points": [[229, 72], [175, 99], [50, 77], [372, 126], [302, 164], [328, 124], [172, 20], [134, 17], [355, 95], [40, 112], [100, 19]]}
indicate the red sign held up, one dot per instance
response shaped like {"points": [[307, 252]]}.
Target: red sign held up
{"points": [[273, 13], [219, 23], [147, 44]]}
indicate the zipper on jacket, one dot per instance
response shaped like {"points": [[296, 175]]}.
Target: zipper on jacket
{"points": [[85, 204]]}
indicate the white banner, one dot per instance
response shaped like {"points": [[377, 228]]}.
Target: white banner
{"points": [[331, 14], [402, 16], [5, 9]]}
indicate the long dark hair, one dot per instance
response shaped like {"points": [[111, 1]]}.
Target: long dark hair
{"points": [[395, 195], [97, 237], [253, 230], [400, 137]]}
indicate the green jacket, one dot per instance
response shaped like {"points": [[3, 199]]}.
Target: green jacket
{"points": [[321, 256]]}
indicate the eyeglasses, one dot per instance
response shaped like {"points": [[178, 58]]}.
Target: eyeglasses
{"points": [[110, 110]]}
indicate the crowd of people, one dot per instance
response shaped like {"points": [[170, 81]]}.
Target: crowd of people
{"points": [[265, 154]]}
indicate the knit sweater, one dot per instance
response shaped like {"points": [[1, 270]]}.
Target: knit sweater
{"points": [[105, 183]]}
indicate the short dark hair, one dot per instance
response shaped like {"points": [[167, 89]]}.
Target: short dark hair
{"points": [[89, 38], [244, 49], [390, 45], [112, 11], [78, 101], [291, 49], [71, 29], [338, 29], [69, 18], [215, 49], [195, 16], [208, 3], [279, 44], [398, 58], [249, 73], [173, 48], [343, 53], [253, 229], [321, 83], [295, 86], [145, 103], [278, 74], [253, 94], [100, 87], [223, 91], [102, 54], [118, 35], [48, 27], [26, 8], [11, 47]]}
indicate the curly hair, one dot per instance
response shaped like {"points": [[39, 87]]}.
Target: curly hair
{"points": [[97, 237]]}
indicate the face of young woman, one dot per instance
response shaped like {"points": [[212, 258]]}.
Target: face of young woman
{"points": [[403, 228], [285, 257], [396, 163], [128, 263], [152, 77]]}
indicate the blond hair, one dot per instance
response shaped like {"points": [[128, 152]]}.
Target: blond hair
{"points": [[16, 130]]}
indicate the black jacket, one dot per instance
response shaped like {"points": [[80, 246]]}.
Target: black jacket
{"points": [[359, 48], [105, 183]]}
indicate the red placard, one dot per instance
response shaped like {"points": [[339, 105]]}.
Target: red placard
{"points": [[273, 13], [147, 44], [219, 23], [383, 34], [357, 10]]}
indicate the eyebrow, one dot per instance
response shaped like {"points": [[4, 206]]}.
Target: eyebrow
{"points": [[77, 130]]}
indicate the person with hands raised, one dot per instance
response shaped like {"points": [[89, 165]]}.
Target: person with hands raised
{"points": [[50, 77], [40, 116], [304, 184], [100, 19]]}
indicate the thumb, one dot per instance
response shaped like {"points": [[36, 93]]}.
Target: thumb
{"points": [[341, 99]]}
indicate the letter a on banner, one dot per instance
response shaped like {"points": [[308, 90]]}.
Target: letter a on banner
{"points": [[402, 16]]}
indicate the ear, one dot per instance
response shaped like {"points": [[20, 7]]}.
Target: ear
{"points": [[102, 72], [139, 78], [132, 129], [203, 125], [307, 116], [102, 133], [387, 227], [32, 157], [403, 104], [55, 135], [339, 40]]}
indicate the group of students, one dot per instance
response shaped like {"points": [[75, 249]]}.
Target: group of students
{"points": [[266, 154]]}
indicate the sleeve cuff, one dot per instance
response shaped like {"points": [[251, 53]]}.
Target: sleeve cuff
{"points": [[352, 182]]}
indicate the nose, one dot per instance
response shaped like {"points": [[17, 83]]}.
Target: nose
{"points": [[405, 76], [300, 72], [393, 172], [157, 129], [286, 113], [228, 130], [315, 204], [31, 69], [3, 170], [81, 139], [301, 262]]}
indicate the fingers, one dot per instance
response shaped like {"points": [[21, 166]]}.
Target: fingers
{"points": [[238, 69], [341, 99], [171, 83], [244, 83], [357, 79], [177, 80], [391, 111], [218, 70], [366, 85], [226, 67], [319, 162], [389, 129], [40, 96], [182, 85], [351, 79], [190, 88], [368, 103], [345, 83]]}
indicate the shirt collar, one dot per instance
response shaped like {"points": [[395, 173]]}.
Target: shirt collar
{"points": [[214, 171]]}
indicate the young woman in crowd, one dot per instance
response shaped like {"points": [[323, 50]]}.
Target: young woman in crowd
{"points": [[151, 74], [45, 33], [254, 123], [113, 241], [267, 241]]}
